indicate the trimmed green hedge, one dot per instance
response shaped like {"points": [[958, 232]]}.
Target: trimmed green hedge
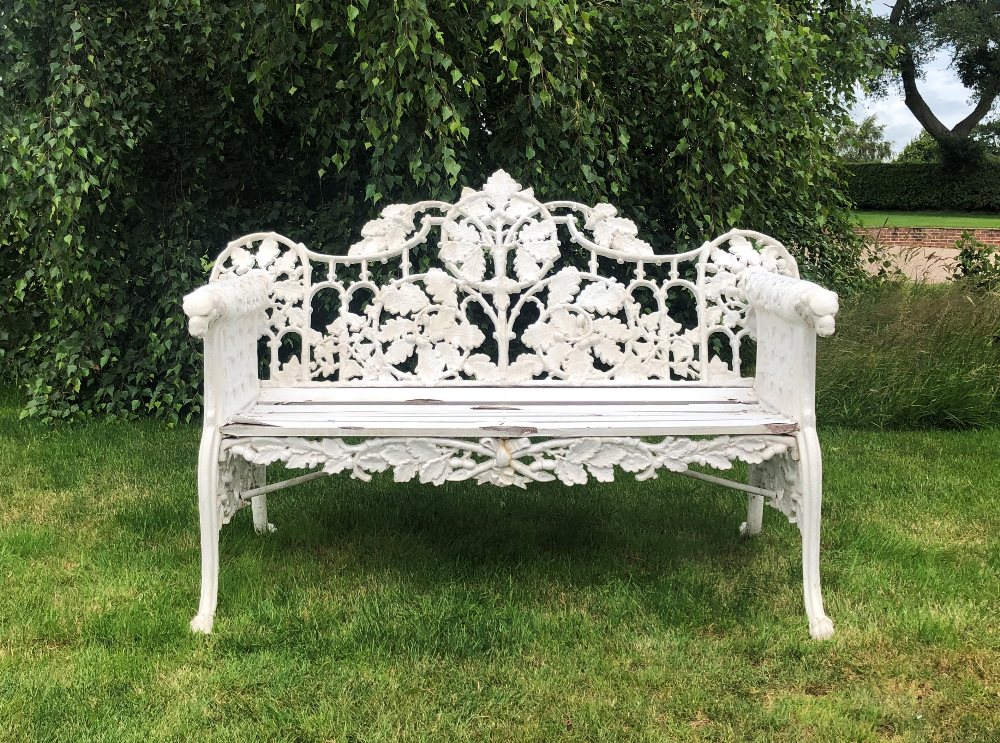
{"points": [[913, 186], [138, 137]]}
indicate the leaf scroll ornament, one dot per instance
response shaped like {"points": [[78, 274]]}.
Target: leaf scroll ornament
{"points": [[510, 461], [726, 306]]}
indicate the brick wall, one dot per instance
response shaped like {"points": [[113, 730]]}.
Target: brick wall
{"points": [[925, 237]]}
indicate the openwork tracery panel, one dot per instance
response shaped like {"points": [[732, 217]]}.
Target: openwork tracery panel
{"points": [[500, 287]]}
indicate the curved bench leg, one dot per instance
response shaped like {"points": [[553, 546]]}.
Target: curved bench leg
{"points": [[811, 474], [208, 509]]}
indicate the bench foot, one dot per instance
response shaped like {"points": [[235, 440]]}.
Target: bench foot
{"points": [[820, 628], [202, 623]]}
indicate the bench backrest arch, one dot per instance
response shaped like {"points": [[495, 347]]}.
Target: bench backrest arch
{"points": [[500, 288]]}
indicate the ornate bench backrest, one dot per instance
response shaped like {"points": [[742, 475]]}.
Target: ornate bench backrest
{"points": [[499, 288]]}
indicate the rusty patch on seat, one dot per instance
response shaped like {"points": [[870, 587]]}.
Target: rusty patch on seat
{"points": [[512, 430], [782, 427], [425, 401], [246, 420]]}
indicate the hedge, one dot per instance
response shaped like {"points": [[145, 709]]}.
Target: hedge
{"points": [[138, 137], [912, 186]]}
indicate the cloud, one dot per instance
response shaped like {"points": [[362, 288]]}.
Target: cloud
{"points": [[948, 98]]}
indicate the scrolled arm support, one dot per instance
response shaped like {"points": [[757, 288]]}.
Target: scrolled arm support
{"points": [[229, 299], [793, 300]]}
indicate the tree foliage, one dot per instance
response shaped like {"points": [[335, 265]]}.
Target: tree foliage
{"points": [[924, 149], [969, 30], [137, 138], [921, 149], [864, 142]]}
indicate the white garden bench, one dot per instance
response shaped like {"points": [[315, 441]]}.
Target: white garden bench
{"points": [[502, 340]]}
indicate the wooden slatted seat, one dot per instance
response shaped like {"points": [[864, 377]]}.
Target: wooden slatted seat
{"points": [[501, 411], [504, 340]]}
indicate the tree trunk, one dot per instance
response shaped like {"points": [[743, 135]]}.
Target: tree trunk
{"points": [[950, 140]]}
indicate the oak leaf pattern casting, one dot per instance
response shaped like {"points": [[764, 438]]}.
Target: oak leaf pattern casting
{"points": [[494, 304], [503, 462]]}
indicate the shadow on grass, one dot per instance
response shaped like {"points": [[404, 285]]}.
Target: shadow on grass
{"points": [[370, 564], [472, 528]]}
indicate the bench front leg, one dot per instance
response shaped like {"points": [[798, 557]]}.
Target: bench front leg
{"points": [[788, 315], [209, 516], [811, 484], [229, 316]]}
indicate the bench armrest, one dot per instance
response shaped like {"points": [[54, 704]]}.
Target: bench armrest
{"points": [[230, 299], [229, 316], [788, 314], [792, 300]]}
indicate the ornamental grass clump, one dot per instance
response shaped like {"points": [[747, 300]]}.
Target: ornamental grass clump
{"points": [[913, 356]]}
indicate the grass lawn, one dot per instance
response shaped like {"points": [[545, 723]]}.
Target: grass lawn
{"points": [[385, 612], [928, 219]]}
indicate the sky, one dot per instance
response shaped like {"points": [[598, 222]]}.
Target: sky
{"points": [[947, 97]]}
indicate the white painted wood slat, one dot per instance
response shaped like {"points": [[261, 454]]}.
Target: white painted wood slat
{"points": [[535, 419], [461, 412], [474, 383], [550, 394], [621, 428]]}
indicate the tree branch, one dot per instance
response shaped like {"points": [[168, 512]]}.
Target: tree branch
{"points": [[916, 103], [966, 125]]}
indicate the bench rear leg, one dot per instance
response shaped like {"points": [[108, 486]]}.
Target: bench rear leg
{"points": [[755, 505], [259, 504], [208, 510], [811, 472]]}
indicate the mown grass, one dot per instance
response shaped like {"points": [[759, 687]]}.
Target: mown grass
{"points": [[928, 219], [912, 355], [386, 611]]}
